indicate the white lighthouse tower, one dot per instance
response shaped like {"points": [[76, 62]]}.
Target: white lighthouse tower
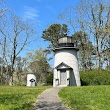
{"points": [[66, 71]]}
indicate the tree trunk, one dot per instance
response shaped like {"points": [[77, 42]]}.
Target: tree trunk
{"points": [[10, 81]]}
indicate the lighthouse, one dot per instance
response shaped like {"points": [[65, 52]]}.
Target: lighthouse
{"points": [[66, 71]]}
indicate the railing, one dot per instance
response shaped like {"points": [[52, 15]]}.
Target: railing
{"points": [[66, 45]]}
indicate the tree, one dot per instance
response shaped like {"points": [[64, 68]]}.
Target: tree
{"points": [[39, 65], [15, 35], [3, 10], [98, 24], [86, 49], [54, 32], [93, 18]]}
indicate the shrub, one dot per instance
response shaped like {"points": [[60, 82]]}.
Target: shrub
{"points": [[49, 79], [18, 83], [95, 77]]}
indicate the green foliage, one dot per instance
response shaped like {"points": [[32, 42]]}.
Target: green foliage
{"points": [[95, 77], [19, 98], [54, 32], [49, 79], [86, 48], [93, 18], [86, 97], [18, 83], [38, 64]]}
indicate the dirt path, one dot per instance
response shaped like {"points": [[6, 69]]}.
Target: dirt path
{"points": [[49, 100]]}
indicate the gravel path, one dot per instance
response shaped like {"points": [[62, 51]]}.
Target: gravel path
{"points": [[49, 100]]}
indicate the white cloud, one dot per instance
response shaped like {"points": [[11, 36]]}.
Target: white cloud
{"points": [[30, 13]]}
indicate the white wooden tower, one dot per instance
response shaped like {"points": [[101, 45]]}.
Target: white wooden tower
{"points": [[66, 71], [31, 80]]}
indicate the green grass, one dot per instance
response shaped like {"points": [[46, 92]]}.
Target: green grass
{"points": [[86, 97], [19, 98]]}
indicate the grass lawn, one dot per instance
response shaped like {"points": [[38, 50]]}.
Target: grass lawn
{"points": [[19, 98], [86, 97]]}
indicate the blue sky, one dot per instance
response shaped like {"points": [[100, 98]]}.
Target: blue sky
{"points": [[43, 12]]}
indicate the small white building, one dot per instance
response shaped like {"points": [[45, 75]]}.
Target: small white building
{"points": [[66, 71], [31, 80]]}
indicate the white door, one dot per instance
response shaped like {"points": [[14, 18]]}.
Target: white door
{"points": [[63, 77]]}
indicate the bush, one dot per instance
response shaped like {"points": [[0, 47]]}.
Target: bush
{"points": [[17, 83], [49, 79], [95, 77]]}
